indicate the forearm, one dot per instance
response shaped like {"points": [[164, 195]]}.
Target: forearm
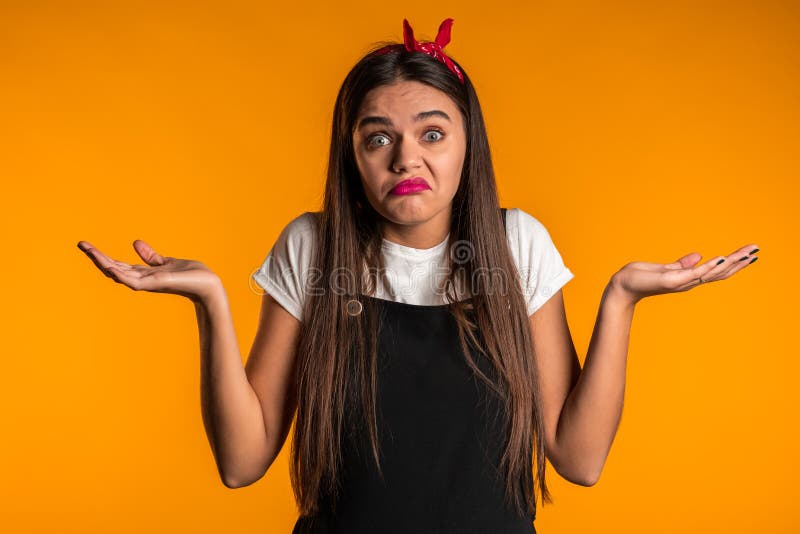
{"points": [[232, 415], [593, 409]]}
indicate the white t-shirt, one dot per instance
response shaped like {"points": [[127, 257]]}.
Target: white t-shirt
{"points": [[413, 274]]}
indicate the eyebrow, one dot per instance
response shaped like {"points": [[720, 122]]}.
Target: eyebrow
{"points": [[374, 119]]}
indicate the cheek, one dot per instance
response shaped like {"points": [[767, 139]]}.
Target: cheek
{"points": [[452, 163], [368, 168], [369, 173], [363, 165], [363, 156]]}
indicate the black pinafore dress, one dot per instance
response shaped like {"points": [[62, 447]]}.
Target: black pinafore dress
{"points": [[439, 429]]}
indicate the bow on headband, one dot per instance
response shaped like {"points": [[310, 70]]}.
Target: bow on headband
{"points": [[433, 49]]}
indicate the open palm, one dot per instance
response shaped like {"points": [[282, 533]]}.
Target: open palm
{"points": [[641, 279], [162, 274]]}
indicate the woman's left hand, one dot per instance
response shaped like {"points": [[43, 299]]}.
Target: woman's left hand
{"points": [[640, 279]]}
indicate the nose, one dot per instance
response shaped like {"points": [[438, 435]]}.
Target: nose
{"points": [[406, 155]]}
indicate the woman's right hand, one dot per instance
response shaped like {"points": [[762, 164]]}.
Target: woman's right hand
{"points": [[162, 274]]}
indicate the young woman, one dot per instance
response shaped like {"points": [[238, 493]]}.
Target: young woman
{"points": [[415, 328]]}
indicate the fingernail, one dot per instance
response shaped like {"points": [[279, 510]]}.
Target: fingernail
{"points": [[81, 248], [720, 261], [754, 259], [753, 251], [744, 258]]}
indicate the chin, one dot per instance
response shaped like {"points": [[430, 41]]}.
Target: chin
{"points": [[408, 209]]}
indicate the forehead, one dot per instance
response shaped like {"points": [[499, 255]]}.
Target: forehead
{"points": [[404, 99]]}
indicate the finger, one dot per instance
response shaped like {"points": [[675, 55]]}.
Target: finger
{"points": [[714, 276], [707, 271], [690, 277], [738, 259], [716, 268], [737, 266], [685, 261], [732, 261], [102, 261], [147, 253]]}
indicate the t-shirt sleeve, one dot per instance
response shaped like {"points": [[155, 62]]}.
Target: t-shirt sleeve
{"points": [[284, 272], [542, 270]]}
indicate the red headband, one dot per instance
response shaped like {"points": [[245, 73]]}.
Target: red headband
{"points": [[433, 49]]}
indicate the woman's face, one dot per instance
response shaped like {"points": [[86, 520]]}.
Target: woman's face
{"points": [[405, 131]]}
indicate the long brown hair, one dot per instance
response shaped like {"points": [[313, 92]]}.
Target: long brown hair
{"points": [[336, 359]]}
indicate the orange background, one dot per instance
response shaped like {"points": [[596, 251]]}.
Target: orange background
{"points": [[632, 130]]}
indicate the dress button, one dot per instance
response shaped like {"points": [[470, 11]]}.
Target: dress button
{"points": [[353, 307]]}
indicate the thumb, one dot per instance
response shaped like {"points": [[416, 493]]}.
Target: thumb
{"points": [[685, 262], [150, 256]]}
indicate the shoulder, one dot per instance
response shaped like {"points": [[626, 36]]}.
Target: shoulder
{"points": [[525, 230], [284, 272], [302, 225], [297, 237], [540, 265]]}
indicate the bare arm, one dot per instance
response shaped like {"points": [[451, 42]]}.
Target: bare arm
{"points": [[593, 410], [231, 413], [559, 370], [583, 408], [586, 408], [246, 413]]}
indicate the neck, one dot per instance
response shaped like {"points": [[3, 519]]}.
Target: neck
{"points": [[426, 234]]}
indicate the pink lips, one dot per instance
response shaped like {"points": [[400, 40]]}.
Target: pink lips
{"points": [[411, 185]]}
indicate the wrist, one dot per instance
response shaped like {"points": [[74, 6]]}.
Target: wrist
{"points": [[211, 295], [616, 294]]}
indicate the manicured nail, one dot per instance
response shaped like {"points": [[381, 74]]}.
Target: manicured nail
{"points": [[753, 251], [754, 259], [720, 261]]}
